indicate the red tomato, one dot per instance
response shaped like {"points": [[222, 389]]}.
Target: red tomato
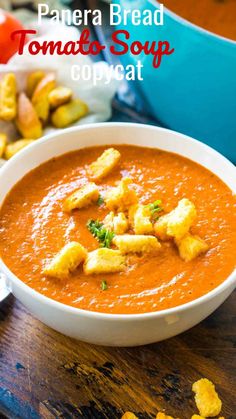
{"points": [[8, 24]]}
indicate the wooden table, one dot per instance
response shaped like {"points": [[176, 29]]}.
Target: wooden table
{"points": [[45, 374]]}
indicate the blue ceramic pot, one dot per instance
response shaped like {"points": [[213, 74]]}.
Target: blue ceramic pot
{"points": [[194, 89]]}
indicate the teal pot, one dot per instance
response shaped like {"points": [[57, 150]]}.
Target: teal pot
{"points": [[194, 89]]}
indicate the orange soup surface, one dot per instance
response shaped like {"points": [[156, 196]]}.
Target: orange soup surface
{"points": [[218, 16], [33, 228]]}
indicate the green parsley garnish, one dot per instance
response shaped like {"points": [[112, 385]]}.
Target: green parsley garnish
{"points": [[100, 200], [155, 208], [103, 235], [104, 285]]}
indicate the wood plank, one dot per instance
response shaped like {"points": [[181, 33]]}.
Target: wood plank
{"points": [[45, 374]]}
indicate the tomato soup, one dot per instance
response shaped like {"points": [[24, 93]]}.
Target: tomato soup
{"points": [[34, 227], [216, 16]]}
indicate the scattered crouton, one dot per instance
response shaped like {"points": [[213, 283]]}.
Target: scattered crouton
{"points": [[128, 243], [104, 164], [82, 197], [178, 222], [27, 121], [191, 246], [102, 261], [69, 113], [40, 96], [129, 415], [206, 398], [121, 197], [117, 223], [3, 143], [140, 218], [32, 81], [66, 261], [13, 148], [59, 96], [8, 97], [162, 415]]}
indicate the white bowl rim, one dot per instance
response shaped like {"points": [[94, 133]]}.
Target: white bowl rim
{"points": [[187, 22], [230, 280]]}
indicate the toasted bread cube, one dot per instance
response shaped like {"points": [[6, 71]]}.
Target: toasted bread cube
{"points": [[121, 223], [191, 246], [82, 197], [162, 415], [27, 121], [13, 148], [117, 223], [3, 143], [40, 96], [121, 197], [102, 261], [129, 415], [197, 417], [104, 164], [128, 243], [66, 261], [160, 227], [140, 217], [68, 114], [206, 398], [108, 221], [32, 81], [181, 219], [178, 222], [8, 97], [59, 96]]}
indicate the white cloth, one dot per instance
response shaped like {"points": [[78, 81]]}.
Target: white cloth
{"points": [[98, 97]]}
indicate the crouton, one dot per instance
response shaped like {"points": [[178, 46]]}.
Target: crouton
{"points": [[68, 114], [27, 121], [66, 261], [103, 260], [162, 415], [129, 415], [3, 143], [8, 97], [178, 222], [117, 223], [13, 148], [104, 164], [121, 197], [120, 223], [128, 243], [197, 417], [191, 246], [160, 227], [206, 398], [82, 197], [40, 96], [140, 218], [32, 81], [59, 96]]}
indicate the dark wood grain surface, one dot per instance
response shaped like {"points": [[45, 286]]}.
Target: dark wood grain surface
{"points": [[45, 374]]}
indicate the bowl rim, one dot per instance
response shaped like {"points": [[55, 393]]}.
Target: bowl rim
{"points": [[194, 26], [227, 283]]}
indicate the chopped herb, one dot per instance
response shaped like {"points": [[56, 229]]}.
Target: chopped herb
{"points": [[103, 235], [100, 200], [155, 208], [104, 285]]}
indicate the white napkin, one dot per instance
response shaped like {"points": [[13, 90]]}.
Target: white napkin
{"points": [[98, 97]]}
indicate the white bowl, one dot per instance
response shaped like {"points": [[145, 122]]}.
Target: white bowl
{"points": [[116, 329]]}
